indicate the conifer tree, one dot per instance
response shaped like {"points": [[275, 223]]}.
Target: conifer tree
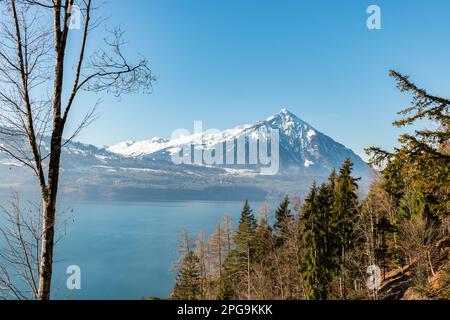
{"points": [[245, 231], [265, 254], [263, 238], [283, 217], [225, 289], [421, 161], [345, 213], [332, 180], [238, 263], [188, 282], [318, 262]]}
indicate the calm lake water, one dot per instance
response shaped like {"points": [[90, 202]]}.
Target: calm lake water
{"points": [[125, 250]]}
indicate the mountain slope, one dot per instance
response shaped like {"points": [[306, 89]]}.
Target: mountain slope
{"points": [[303, 149]]}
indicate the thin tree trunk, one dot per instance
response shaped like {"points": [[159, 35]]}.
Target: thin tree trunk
{"points": [[342, 278], [430, 263], [49, 219], [46, 263]]}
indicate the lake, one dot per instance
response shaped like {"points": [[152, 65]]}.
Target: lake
{"points": [[125, 250]]}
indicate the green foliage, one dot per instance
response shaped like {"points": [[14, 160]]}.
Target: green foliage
{"points": [[323, 254], [328, 222], [283, 217], [237, 263], [225, 288], [263, 240], [420, 166], [188, 282], [345, 207], [319, 262], [413, 203], [245, 230]]}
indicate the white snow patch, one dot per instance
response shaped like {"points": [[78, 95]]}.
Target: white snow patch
{"points": [[310, 134]]}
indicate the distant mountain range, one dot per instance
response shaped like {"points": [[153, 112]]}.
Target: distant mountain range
{"points": [[144, 170]]}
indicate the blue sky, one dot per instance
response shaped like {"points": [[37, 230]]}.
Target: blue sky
{"points": [[230, 62]]}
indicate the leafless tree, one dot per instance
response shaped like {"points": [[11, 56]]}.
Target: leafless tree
{"points": [[20, 243], [419, 236], [35, 103], [20, 240]]}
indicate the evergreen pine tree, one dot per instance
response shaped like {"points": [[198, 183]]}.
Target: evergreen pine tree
{"points": [[225, 289], [238, 263], [319, 265], [263, 238], [188, 282], [283, 217], [243, 238], [345, 214], [421, 161]]}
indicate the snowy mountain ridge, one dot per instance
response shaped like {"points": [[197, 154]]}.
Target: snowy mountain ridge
{"points": [[302, 147]]}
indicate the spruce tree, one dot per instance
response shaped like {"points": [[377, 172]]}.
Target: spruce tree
{"points": [[345, 214], [333, 249], [238, 263], [225, 289], [245, 231], [263, 239], [318, 269], [283, 217], [188, 281]]}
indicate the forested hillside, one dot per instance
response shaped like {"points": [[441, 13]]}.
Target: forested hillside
{"points": [[392, 244]]}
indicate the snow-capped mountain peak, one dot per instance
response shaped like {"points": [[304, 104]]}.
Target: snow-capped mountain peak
{"points": [[302, 147]]}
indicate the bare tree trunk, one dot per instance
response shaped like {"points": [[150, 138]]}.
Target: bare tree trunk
{"points": [[46, 263], [342, 276], [49, 221], [430, 263]]}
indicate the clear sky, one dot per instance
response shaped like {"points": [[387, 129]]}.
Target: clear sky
{"points": [[231, 62]]}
